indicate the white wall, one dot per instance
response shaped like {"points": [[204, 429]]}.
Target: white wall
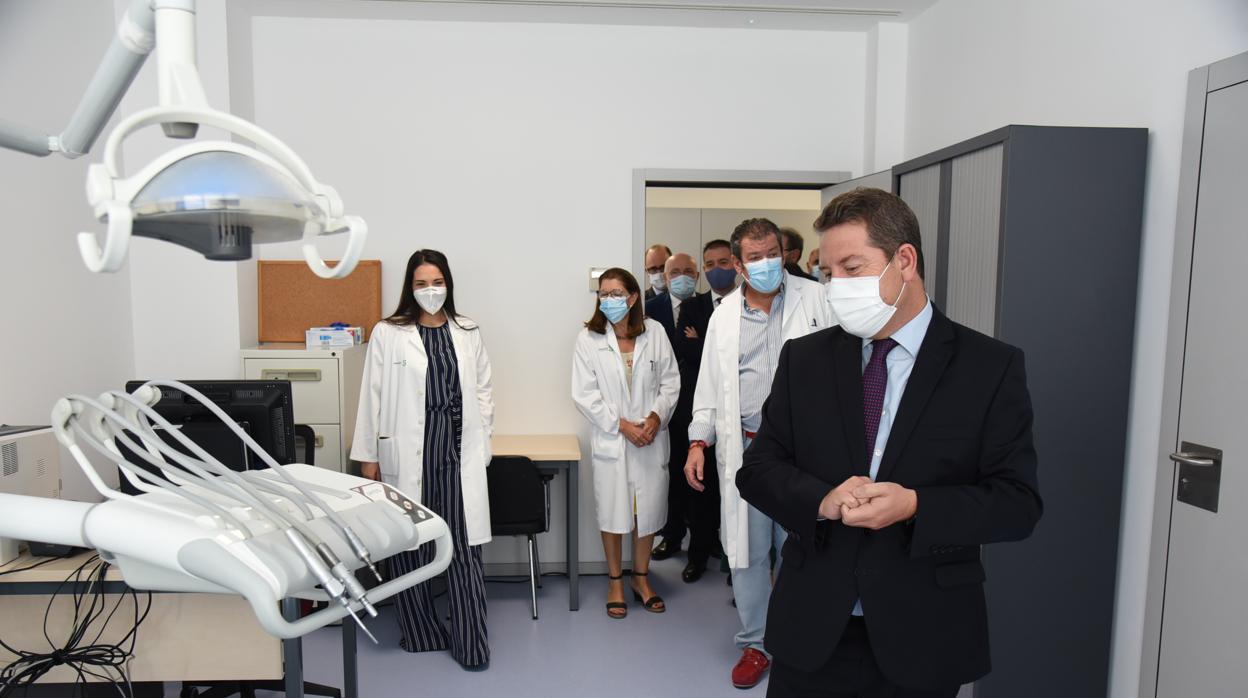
{"points": [[685, 197], [885, 119], [188, 315], [511, 148], [66, 330], [975, 65]]}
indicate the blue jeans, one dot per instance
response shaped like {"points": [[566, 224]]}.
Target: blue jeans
{"points": [[751, 586]]}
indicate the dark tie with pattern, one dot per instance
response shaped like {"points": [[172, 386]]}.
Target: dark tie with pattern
{"points": [[874, 384]]}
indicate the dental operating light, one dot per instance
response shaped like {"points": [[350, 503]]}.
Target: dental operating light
{"points": [[216, 197]]}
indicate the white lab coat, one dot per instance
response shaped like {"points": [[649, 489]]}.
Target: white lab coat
{"points": [[390, 425], [717, 397], [621, 470]]}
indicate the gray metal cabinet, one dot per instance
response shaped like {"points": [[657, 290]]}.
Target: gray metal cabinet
{"points": [[1031, 234], [921, 189], [974, 225]]}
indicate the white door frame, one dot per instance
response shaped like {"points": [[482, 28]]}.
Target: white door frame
{"points": [[1200, 83], [720, 179]]}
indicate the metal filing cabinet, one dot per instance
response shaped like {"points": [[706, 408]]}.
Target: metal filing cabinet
{"points": [[1031, 234], [325, 385]]}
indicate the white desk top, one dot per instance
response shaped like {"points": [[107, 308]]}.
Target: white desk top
{"points": [[538, 447]]}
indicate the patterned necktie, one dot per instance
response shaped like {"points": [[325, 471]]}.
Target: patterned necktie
{"points": [[874, 383]]}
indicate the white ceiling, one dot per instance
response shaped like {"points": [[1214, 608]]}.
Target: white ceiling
{"points": [[819, 15]]}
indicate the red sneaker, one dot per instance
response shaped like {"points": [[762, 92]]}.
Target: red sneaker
{"points": [[750, 668]]}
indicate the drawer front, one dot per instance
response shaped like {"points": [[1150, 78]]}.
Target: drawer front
{"points": [[313, 383], [328, 452]]}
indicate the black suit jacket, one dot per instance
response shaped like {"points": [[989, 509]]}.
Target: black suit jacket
{"points": [[659, 309], [961, 438], [696, 313]]}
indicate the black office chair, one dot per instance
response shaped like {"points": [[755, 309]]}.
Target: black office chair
{"points": [[520, 506]]}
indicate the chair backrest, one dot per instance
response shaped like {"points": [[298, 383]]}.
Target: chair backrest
{"points": [[517, 496]]}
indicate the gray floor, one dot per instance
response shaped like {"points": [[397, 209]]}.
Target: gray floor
{"points": [[687, 651]]}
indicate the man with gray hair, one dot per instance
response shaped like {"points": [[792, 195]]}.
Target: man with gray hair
{"points": [[668, 309]]}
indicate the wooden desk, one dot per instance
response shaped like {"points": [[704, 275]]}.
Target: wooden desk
{"points": [[208, 637], [553, 453], [186, 637]]}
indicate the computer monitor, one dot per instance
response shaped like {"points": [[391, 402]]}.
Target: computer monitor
{"points": [[263, 408]]}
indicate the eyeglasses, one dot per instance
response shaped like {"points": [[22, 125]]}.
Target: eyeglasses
{"points": [[612, 294]]}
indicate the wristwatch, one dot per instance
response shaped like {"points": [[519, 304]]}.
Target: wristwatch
{"points": [[699, 443]]}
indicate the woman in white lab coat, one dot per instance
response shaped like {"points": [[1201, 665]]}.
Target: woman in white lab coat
{"points": [[625, 382], [424, 424]]}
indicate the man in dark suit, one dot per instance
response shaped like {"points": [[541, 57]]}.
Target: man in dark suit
{"points": [[792, 253], [892, 447], [703, 507], [684, 316], [656, 257]]}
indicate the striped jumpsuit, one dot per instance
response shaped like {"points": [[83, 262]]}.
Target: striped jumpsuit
{"points": [[419, 624]]}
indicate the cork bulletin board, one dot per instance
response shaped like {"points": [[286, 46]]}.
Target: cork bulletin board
{"points": [[293, 299]]}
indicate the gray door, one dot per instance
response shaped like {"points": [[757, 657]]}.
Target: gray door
{"points": [[1204, 632]]}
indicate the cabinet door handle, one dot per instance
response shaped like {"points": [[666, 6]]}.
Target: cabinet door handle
{"points": [[309, 375], [320, 441]]}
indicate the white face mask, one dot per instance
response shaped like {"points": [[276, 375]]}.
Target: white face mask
{"points": [[431, 298], [857, 305], [658, 282]]}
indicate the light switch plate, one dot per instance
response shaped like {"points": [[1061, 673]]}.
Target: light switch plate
{"points": [[594, 273]]}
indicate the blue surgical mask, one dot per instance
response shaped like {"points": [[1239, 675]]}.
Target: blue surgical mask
{"points": [[720, 278], [765, 275], [682, 287], [614, 308]]}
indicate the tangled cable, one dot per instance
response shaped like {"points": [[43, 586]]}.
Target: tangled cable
{"points": [[104, 661]]}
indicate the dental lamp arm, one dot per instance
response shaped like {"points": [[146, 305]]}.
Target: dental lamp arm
{"points": [[133, 41]]}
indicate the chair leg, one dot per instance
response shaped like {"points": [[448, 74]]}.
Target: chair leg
{"points": [[533, 573], [537, 563]]}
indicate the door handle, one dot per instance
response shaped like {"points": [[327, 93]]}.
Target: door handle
{"points": [[1200, 475], [1192, 459]]}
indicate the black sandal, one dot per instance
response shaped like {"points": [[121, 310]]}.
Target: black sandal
{"points": [[616, 605], [651, 604]]}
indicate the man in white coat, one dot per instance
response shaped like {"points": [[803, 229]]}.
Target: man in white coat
{"points": [[743, 345]]}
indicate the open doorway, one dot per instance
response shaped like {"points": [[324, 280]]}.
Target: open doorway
{"points": [[685, 219], [685, 209]]}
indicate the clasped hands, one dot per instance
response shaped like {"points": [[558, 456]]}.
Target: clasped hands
{"points": [[862, 503], [640, 434]]}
